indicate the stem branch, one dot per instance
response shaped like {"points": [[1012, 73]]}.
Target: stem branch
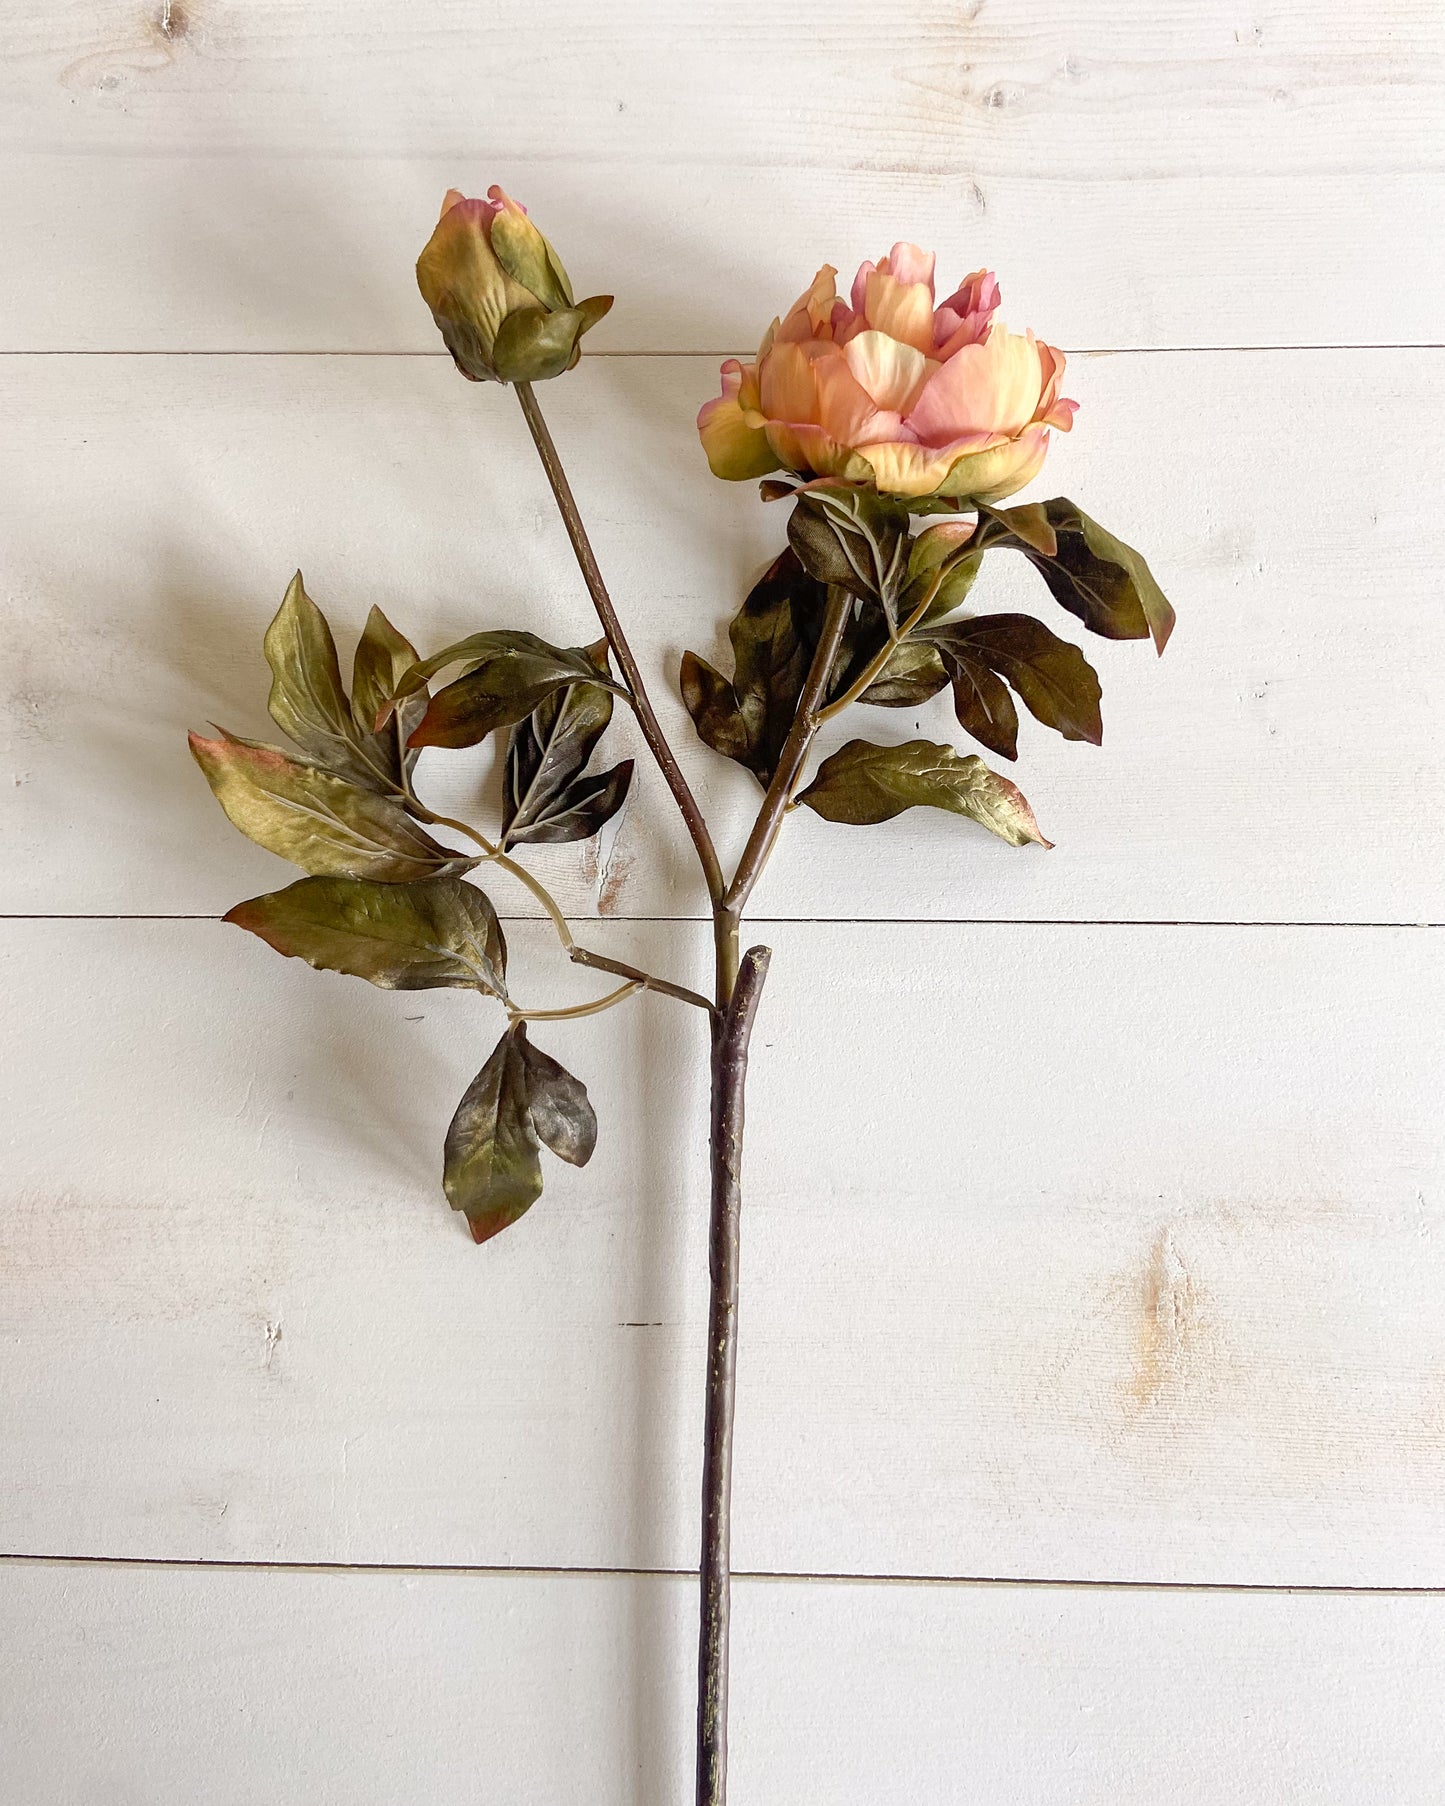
{"points": [[580, 956], [579, 1009]]}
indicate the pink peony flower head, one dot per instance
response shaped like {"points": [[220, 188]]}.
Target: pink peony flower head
{"points": [[890, 391]]}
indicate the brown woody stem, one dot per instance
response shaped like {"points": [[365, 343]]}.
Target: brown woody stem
{"points": [[612, 627], [731, 1033]]}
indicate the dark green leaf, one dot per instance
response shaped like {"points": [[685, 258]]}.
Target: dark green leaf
{"points": [[1056, 682], [492, 1168], [561, 1112], [434, 933], [520, 1098], [716, 713], [981, 701], [479, 649], [503, 685], [862, 783], [578, 811], [383, 657], [855, 539], [914, 672], [317, 820], [545, 798], [748, 719], [1097, 577]]}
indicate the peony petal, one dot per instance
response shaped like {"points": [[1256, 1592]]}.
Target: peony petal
{"points": [[810, 451], [992, 387], [892, 373], [989, 476], [1051, 408], [906, 470], [847, 410], [735, 450], [788, 391], [811, 315], [907, 264], [860, 287], [971, 305], [902, 310]]}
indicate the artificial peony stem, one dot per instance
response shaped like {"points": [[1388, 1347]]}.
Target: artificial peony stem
{"points": [[731, 1033], [580, 956], [612, 627]]}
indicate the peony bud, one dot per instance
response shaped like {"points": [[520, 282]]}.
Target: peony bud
{"points": [[499, 294]]}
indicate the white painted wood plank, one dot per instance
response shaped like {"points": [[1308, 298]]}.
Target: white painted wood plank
{"points": [[1282, 761], [261, 177], [402, 1689], [1069, 1252]]}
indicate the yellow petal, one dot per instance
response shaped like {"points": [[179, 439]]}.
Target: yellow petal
{"points": [[735, 450], [786, 385], [890, 371], [904, 310], [906, 469]]}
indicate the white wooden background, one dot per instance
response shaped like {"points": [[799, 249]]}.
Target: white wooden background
{"points": [[1091, 1439]]}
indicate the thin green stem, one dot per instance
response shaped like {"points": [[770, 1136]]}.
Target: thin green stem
{"points": [[795, 749], [581, 956], [595, 1008], [877, 662]]}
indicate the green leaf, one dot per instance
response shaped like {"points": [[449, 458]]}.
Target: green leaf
{"points": [[943, 562], [523, 253], [854, 539], [520, 1098], [315, 819], [772, 636], [1028, 523], [1097, 577], [914, 672], [430, 934], [545, 797], [534, 344], [862, 783], [1056, 683], [308, 700], [383, 657], [502, 685]]}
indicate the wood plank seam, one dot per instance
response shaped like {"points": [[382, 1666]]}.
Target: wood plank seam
{"points": [[782, 1576]]}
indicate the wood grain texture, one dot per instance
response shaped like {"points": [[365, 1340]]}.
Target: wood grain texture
{"points": [[1283, 761], [205, 175], [401, 1689], [1114, 1254]]}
